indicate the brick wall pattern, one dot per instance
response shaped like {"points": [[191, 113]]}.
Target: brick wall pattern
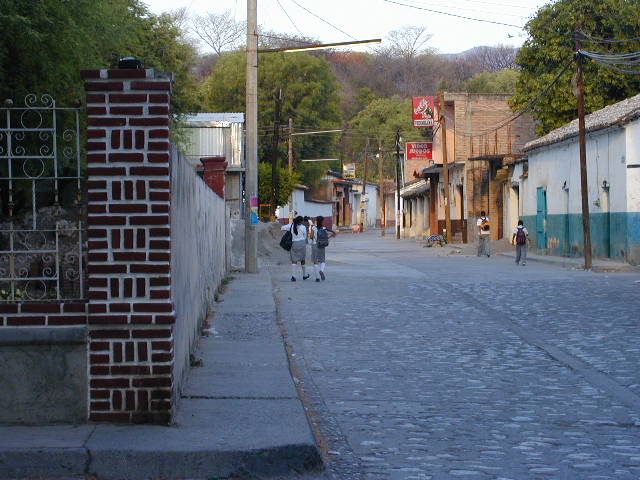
{"points": [[130, 312]]}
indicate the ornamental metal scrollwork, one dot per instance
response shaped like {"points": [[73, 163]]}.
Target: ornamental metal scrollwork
{"points": [[42, 213]]}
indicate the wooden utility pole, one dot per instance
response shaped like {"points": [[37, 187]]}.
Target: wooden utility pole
{"points": [[445, 167], [363, 204], [251, 142], [290, 158], [381, 189], [584, 186], [275, 164], [398, 213]]}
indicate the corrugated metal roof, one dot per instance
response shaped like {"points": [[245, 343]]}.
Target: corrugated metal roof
{"points": [[616, 114], [415, 188], [202, 119]]}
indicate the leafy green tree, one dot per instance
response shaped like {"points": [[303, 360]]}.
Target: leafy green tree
{"points": [[550, 46], [379, 122], [310, 97], [503, 81], [288, 181], [44, 44]]}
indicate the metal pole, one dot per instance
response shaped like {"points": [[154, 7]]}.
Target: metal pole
{"points": [[251, 168], [398, 213], [381, 188], [290, 158], [445, 166], [275, 164], [363, 205], [584, 188]]}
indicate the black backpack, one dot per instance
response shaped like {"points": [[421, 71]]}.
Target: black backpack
{"points": [[521, 237], [322, 238], [286, 241]]}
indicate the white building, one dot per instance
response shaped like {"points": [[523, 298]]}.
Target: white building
{"points": [[550, 192]]}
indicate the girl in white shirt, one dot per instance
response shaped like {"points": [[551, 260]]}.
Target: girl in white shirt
{"points": [[298, 250]]}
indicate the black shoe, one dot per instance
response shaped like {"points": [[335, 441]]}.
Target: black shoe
{"points": [[305, 277], [293, 279], [317, 279], [322, 275]]}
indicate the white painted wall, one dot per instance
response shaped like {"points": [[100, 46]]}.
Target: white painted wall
{"points": [[305, 208], [198, 254], [552, 165], [632, 157]]}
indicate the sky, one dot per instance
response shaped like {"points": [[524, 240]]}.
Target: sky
{"points": [[344, 20]]}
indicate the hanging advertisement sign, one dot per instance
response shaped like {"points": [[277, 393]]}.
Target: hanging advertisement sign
{"points": [[349, 170], [423, 108], [420, 151]]}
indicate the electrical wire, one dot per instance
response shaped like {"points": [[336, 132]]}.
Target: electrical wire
{"points": [[586, 36], [290, 19], [615, 61], [526, 108], [325, 21], [286, 38], [453, 14], [465, 9]]}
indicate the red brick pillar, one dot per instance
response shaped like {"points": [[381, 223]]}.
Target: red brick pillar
{"points": [[131, 315], [214, 173]]}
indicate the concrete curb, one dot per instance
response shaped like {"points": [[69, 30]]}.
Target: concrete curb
{"points": [[239, 415], [599, 267]]}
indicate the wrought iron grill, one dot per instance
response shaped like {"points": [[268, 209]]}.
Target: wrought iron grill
{"points": [[42, 202]]}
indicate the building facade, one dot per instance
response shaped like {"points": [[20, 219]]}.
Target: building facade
{"points": [[551, 191]]}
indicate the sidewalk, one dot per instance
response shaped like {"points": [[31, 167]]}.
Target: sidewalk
{"points": [[598, 264], [239, 415]]}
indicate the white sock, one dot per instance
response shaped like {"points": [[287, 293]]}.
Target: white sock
{"points": [[322, 266], [316, 267], [293, 269]]}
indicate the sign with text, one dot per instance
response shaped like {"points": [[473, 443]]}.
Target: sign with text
{"points": [[349, 170], [419, 151], [423, 108]]}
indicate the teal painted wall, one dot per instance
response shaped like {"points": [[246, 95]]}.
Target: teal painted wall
{"points": [[613, 235]]}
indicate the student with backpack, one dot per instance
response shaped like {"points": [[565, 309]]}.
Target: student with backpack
{"points": [[298, 250], [319, 241], [484, 234], [520, 239]]}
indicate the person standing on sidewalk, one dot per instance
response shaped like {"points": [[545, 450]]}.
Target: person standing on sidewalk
{"points": [[298, 250], [520, 239], [484, 234], [319, 241]]}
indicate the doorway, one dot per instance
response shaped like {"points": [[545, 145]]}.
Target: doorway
{"points": [[541, 217]]}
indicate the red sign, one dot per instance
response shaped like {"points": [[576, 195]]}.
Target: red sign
{"points": [[419, 151], [423, 108]]}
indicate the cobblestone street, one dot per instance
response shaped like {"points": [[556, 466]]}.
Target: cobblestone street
{"points": [[415, 364]]}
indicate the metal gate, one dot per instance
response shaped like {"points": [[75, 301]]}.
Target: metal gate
{"points": [[42, 202]]}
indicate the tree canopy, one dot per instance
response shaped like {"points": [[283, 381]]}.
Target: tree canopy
{"points": [[45, 43], [550, 47], [310, 97]]}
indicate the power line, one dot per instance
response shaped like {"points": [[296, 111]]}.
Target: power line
{"points": [[615, 61], [467, 9], [322, 19], [586, 36], [292, 22], [452, 14], [527, 107]]}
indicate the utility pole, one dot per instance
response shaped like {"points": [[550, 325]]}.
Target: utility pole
{"points": [[381, 188], [275, 164], [398, 214], [584, 186], [445, 167], [290, 158], [363, 204], [251, 139]]}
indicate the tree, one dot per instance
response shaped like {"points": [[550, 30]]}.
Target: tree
{"points": [[219, 31], [492, 59], [503, 81], [550, 47], [288, 181], [310, 97], [379, 122]]}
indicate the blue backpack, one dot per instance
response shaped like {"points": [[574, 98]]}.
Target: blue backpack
{"points": [[322, 238]]}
